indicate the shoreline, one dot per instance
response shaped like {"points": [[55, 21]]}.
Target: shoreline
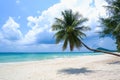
{"points": [[97, 67], [50, 59], [47, 58]]}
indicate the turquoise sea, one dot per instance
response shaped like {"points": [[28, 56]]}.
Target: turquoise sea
{"points": [[36, 56]]}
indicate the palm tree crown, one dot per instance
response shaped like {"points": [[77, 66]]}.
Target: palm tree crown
{"points": [[111, 24], [68, 29]]}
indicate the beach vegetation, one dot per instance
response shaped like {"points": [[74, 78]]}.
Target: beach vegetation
{"points": [[70, 30], [111, 24]]}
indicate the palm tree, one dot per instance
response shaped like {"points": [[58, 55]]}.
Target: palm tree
{"points": [[111, 24], [69, 29]]}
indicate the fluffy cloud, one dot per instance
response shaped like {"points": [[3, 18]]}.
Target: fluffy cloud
{"points": [[41, 25], [10, 35], [10, 30], [40, 32]]}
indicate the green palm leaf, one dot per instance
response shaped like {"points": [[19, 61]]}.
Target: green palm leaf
{"points": [[111, 24], [69, 29]]}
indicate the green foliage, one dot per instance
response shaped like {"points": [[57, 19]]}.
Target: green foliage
{"points": [[69, 29], [111, 24]]}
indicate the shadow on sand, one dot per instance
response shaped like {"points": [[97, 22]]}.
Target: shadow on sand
{"points": [[76, 71], [116, 62]]}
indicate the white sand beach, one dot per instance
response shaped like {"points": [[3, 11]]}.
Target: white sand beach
{"points": [[98, 67]]}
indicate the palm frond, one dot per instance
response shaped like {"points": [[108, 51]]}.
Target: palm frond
{"points": [[80, 34], [78, 43], [56, 27], [71, 41], [76, 23], [59, 36], [112, 7], [65, 44], [59, 21], [83, 28], [117, 29], [67, 29]]}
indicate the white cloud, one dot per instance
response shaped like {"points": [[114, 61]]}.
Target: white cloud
{"points": [[30, 37], [97, 29], [10, 30], [41, 25], [40, 32]]}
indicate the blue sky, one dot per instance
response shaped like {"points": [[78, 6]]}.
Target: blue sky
{"points": [[25, 25]]}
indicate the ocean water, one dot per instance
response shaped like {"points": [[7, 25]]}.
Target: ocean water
{"points": [[36, 56]]}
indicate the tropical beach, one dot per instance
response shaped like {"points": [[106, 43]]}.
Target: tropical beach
{"points": [[60, 40], [97, 67]]}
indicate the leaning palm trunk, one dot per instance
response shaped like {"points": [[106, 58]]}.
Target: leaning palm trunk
{"points": [[95, 50], [118, 43]]}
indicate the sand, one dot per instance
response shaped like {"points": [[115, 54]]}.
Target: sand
{"points": [[98, 67]]}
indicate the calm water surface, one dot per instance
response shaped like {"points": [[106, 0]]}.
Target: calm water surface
{"points": [[35, 56]]}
